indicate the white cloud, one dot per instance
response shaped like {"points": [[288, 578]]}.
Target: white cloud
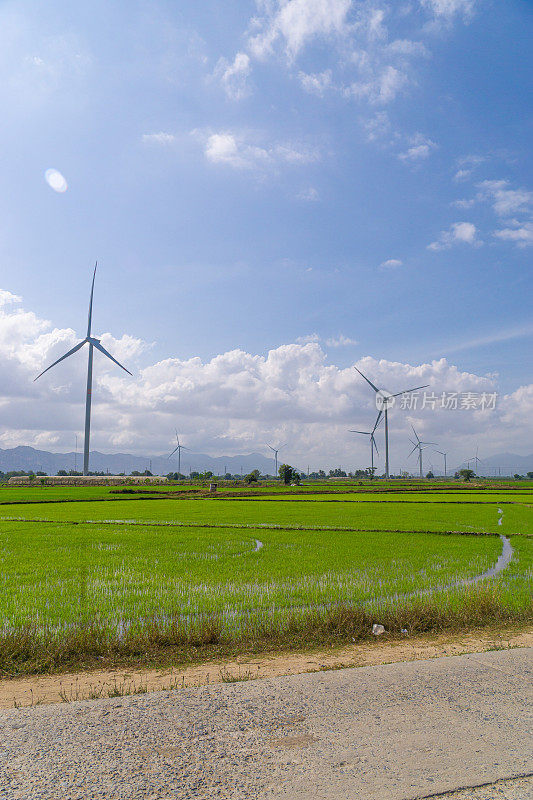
{"points": [[505, 200], [316, 83], [462, 175], [230, 403], [292, 24], [495, 337], [341, 341], [308, 338], [310, 194], [8, 297], [391, 263], [238, 151], [419, 150], [234, 76], [378, 127], [406, 47], [450, 8], [161, 138], [463, 203], [521, 234], [458, 233]]}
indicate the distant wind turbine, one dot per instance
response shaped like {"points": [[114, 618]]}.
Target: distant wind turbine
{"points": [[386, 399], [276, 450], [476, 460], [179, 448], [419, 445], [442, 453], [92, 342], [372, 440]]}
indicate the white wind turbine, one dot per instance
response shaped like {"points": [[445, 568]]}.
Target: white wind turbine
{"points": [[383, 400], [419, 445], [179, 447], [92, 342], [442, 453], [276, 450], [372, 441]]}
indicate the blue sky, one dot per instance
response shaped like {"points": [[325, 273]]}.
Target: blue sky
{"points": [[353, 175]]}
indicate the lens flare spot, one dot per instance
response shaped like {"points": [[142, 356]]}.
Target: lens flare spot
{"points": [[55, 180]]}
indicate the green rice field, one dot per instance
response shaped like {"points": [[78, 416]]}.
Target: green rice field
{"points": [[92, 572]]}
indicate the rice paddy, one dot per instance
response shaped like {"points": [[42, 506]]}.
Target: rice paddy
{"points": [[118, 573]]}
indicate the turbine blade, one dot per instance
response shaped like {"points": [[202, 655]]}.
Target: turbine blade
{"points": [[70, 352], [415, 433], [89, 321], [412, 451], [378, 420], [405, 391], [365, 433], [375, 388], [172, 453], [375, 445], [102, 349]]}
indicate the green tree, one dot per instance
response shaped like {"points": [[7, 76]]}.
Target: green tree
{"points": [[252, 477], [466, 474], [286, 474]]}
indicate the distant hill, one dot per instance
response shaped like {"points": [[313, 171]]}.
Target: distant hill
{"points": [[28, 458], [501, 464]]}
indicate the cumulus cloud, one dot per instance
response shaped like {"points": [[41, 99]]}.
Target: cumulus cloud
{"points": [[391, 263], [234, 76], [341, 341], [520, 234], [8, 297], [447, 9], [241, 152], [292, 25], [458, 233], [232, 402], [505, 200], [316, 83], [419, 150], [512, 206]]}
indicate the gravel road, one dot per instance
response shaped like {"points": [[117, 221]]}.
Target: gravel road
{"points": [[392, 732]]}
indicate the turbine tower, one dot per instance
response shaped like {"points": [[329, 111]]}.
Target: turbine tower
{"points": [[372, 440], [442, 453], [419, 445], [179, 448], [385, 399], [92, 342], [276, 450]]}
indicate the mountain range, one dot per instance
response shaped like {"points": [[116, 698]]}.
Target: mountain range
{"points": [[28, 458]]}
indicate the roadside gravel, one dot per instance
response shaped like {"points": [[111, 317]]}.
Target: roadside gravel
{"points": [[392, 732]]}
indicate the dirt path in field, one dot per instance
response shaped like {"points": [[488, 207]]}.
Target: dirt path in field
{"points": [[47, 689]]}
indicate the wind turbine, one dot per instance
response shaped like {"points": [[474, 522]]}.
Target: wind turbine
{"points": [[372, 440], [419, 445], [476, 460], [179, 448], [387, 399], [442, 453], [276, 450], [92, 342]]}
